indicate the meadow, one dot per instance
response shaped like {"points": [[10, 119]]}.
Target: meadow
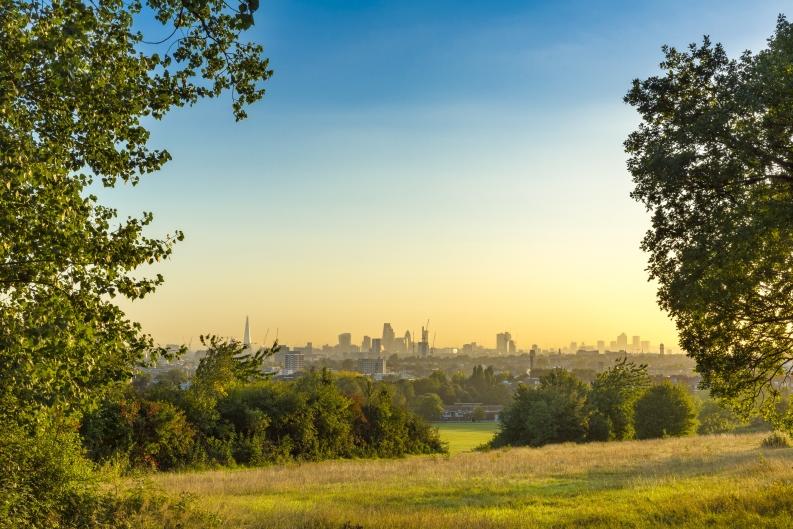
{"points": [[466, 436], [692, 482]]}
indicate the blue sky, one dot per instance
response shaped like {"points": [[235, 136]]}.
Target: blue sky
{"points": [[454, 160]]}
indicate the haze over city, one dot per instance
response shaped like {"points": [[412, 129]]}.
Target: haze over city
{"points": [[411, 165]]}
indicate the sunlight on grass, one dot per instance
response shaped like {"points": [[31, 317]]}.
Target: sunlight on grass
{"points": [[717, 481], [466, 436]]}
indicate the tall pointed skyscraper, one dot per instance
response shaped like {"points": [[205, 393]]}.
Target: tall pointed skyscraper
{"points": [[246, 336]]}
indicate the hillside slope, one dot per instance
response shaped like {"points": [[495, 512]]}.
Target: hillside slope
{"points": [[716, 481]]}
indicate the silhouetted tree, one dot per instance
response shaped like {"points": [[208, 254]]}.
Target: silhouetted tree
{"points": [[712, 160]]}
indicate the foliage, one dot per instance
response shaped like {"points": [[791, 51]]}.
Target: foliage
{"points": [[429, 406], [483, 385], [226, 364], [77, 81], [665, 410], [712, 161], [553, 413], [776, 440], [715, 418], [149, 434], [254, 423], [612, 397], [48, 483]]}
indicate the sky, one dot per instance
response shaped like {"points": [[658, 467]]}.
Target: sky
{"points": [[454, 161]]}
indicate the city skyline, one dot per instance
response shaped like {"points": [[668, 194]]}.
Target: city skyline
{"points": [[503, 342]]}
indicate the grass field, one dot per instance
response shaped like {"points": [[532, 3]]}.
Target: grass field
{"points": [[695, 482], [465, 436]]}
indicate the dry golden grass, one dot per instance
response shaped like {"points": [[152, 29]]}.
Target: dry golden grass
{"points": [[689, 482]]}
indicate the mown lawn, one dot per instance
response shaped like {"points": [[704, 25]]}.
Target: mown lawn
{"points": [[695, 482], [466, 436]]}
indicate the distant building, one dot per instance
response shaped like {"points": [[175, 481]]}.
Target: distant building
{"points": [[661, 349], [601, 346], [366, 344], [645, 346], [345, 342], [424, 344], [388, 337], [372, 366], [470, 411], [636, 345], [408, 343], [246, 335], [511, 347], [293, 362], [502, 342], [377, 346], [399, 346], [622, 342]]}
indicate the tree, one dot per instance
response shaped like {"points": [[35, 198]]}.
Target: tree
{"points": [[714, 418], [78, 80], [712, 161], [665, 410], [429, 406], [612, 398], [553, 413]]}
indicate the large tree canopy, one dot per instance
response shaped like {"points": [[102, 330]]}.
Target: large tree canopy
{"points": [[713, 161], [78, 80]]}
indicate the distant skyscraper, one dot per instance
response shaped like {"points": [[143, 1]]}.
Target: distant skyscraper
{"points": [[636, 344], [661, 349], [645, 345], [377, 346], [408, 343], [424, 344], [366, 344], [388, 337], [246, 335], [601, 346], [502, 342], [622, 342], [512, 348], [345, 342]]}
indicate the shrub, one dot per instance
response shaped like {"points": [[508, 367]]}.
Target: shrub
{"points": [[776, 440], [150, 434], [553, 413], [665, 410]]}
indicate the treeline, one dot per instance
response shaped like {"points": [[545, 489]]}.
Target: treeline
{"points": [[228, 414], [620, 403], [428, 396]]}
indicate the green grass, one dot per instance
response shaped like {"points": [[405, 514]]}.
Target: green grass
{"points": [[695, 482], [466, 436]]}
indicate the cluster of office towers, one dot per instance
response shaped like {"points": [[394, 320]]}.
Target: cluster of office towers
{"points": [[389, 342]]}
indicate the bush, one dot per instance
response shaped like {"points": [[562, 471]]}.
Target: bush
{"points": [[150, 434], [553, 413], [255, 423], [776, 440], [46, 482], [665, 410]]}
